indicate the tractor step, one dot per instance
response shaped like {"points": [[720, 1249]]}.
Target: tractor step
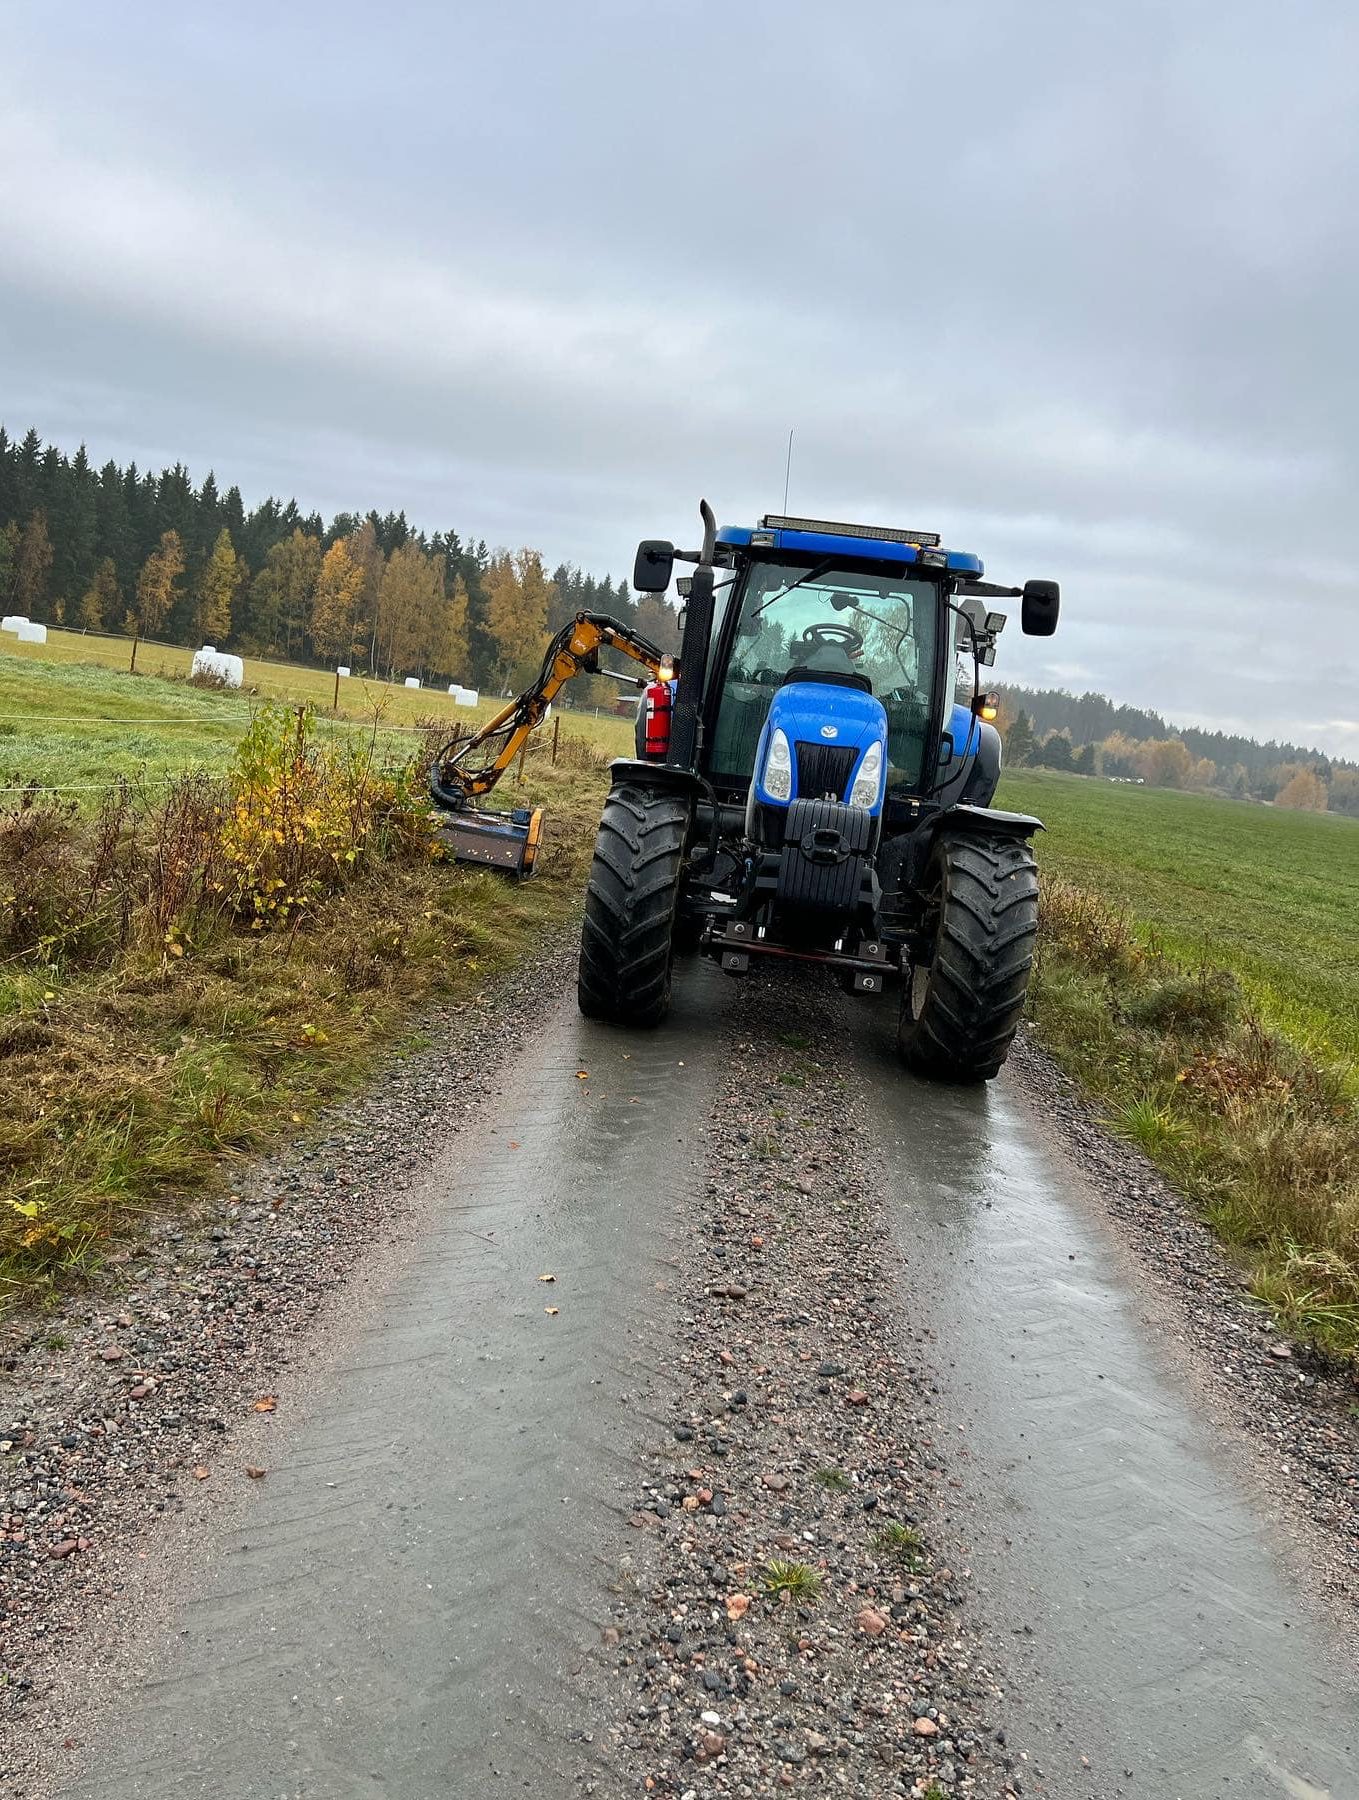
{"points": [[492, 840], [735, 941]]}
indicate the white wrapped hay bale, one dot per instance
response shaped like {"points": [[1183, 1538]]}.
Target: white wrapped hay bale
{"points": [[216, 665], [12, 622], [343, 669], [29, 633], [466, 697], [413, 681]]}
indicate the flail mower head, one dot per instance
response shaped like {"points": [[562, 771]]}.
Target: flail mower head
{"points": [[508, 841]]}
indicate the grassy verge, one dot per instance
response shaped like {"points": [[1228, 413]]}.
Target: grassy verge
{"points": [[186, 977], [1261, 1134]]}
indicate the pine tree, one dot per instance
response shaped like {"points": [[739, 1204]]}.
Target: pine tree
{"points": [[157, 585], [658, 621], [1020, 740], [102, 602], [216, 590], [9, 562], [76, 542], [26, 462]]}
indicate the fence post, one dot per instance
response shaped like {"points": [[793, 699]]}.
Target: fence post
{"points": [[335, 704], [556, 733], [132, 666]]}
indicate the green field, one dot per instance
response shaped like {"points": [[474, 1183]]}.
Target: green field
{"points": [[72, 716], [1271, 895]]}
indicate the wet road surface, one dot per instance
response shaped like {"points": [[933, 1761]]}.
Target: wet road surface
{"points": [[406, 1602], [1143, 1590], [404, 1607]]}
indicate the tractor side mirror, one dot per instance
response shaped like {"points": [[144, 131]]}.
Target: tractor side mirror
{"points": [[654, 566], [1042, 603]]}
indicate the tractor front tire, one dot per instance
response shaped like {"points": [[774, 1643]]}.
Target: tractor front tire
{"points": [[627, 938], [961, 1009]]}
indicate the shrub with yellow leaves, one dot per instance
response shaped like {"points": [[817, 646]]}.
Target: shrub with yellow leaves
{"points": [[303, 813]]}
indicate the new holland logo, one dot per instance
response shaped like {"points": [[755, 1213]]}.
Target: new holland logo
{"points": [[830, 731]]}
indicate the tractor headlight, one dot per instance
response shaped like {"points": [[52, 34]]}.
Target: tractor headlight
{"points": [[778, 768], [868, 782]]}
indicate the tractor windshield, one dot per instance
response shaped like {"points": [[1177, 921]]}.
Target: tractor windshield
{"points": [[835, 621]]}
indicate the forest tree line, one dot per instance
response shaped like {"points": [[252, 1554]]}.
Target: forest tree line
{"points": [[1088, 734], [124, 550]]}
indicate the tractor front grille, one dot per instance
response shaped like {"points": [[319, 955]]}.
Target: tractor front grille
{"points": [[824, 769]]}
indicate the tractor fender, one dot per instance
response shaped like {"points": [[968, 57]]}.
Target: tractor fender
{"points": [[631, 771], [903, 863], [985, 821]]}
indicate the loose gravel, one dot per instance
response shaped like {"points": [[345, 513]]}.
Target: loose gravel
{"points": [[128, 1403], [793, 1612], [1295, 1414]]}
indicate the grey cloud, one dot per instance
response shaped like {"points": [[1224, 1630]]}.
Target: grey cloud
{"points": [[1075, 284]]}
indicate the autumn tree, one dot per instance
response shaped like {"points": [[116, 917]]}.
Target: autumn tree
{"points": [[449, 651], [335, 604], [1305, 792], [157, 587], [419, 631], [366, 552], [518, 595], [1166, 763], [218, 585], [279, 602], [102, 601], [32, 566]]}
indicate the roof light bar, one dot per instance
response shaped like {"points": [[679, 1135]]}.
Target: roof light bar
{"points": [[880, 533]]}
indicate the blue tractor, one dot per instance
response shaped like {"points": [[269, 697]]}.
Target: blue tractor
{"points": [[811, 786]]}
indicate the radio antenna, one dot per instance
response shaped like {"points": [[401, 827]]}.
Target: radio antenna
{"points": [[788, 469]]}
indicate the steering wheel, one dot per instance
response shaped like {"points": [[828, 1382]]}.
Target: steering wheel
{"points": [[833, 637]]}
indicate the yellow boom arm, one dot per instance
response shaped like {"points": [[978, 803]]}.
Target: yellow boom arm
{"points": [[467, 770]]}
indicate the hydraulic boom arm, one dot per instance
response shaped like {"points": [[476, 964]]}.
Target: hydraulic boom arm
{"points": [[465, 771]]}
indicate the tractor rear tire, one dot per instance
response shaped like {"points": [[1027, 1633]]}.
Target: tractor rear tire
{"points": [[627, 937], [960, 1011]]}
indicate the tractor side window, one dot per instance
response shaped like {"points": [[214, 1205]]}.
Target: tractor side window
{"points": [[838, 623]]}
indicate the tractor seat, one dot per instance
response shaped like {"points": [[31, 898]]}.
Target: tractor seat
{"points": [[850, 678]]}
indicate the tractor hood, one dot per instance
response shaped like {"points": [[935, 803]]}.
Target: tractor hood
{"points": [[819, 739]]}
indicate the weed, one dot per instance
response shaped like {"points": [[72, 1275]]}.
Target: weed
{"points": [[791, 1078], [901, 1541], [795, 1583], [794, 1040], [766, 1147], [834, 1479]]}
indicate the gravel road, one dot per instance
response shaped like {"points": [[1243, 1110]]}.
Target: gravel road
{"points": [[860, 1441]]}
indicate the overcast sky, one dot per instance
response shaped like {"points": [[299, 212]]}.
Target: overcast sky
{"points": [[1076, 285]]}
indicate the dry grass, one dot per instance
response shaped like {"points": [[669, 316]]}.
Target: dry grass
{"points": [[1264, 1138], [186, 973]]}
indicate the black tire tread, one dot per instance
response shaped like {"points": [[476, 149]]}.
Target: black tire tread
{"points": [[627, 932], [982, 957]]}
